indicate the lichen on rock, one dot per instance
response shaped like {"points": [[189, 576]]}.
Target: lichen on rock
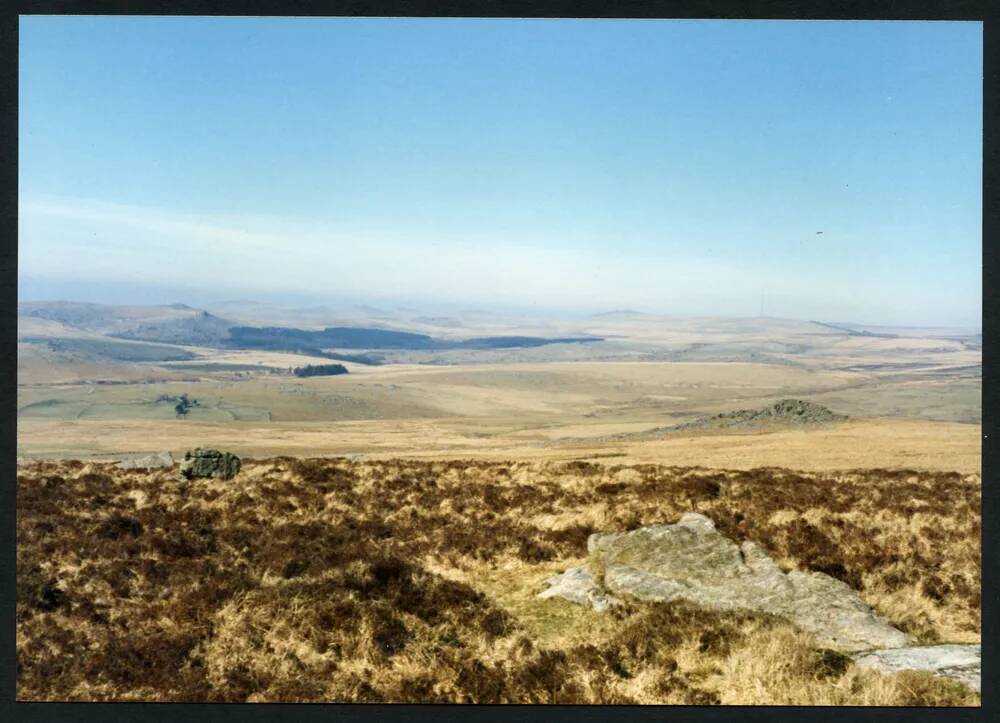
{"points": [[209, 463], [691, 560]]}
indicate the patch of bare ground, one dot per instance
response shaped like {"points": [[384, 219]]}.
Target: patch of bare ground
{"points": [[416, 581]]}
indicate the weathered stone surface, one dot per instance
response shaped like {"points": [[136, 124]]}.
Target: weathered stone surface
{"points": [[958, 662], [577, 585], [148, 461], [209, 463], [693, 561]]}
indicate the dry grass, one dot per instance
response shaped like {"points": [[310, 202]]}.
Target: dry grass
{"points": [[927, 446], [783, 667], [306, 580]]}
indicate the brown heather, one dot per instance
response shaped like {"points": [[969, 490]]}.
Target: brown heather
{"points": [[411, 581]]}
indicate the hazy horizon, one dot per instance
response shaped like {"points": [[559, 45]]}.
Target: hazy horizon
{"points": [[824, 170], [165, 297]]}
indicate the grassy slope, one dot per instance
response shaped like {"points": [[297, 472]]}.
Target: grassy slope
{"points": [[416, 581], [858, 443]]}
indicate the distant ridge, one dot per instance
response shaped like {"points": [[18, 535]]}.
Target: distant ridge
{"points": [[615, 312], [854, 332], [179, 323], [349, 337]]}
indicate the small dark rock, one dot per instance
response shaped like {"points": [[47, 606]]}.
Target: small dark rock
{"points": [[205, 463]]}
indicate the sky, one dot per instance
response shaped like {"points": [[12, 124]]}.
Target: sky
{"points": [[675, 167]]}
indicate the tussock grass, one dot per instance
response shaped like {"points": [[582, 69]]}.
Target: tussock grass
{"points": [[783, 667], [409, 581]]}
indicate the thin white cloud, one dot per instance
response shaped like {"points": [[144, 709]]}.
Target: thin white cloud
{"points": [[81, 240], [161, 226], [93, 240]]}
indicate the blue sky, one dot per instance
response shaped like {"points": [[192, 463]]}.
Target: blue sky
{"points": [[672, 167]]}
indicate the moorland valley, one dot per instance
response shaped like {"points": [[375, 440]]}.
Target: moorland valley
{"points": [[484, 508]]}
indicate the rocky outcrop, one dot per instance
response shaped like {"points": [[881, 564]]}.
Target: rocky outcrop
{"points": [[148, 461], [691, 560], [780, 415], [958, 662], [785, 411], [211, 463], [577, 585]]}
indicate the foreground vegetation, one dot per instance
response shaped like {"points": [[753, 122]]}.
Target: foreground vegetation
{"points": [[410, 581]]}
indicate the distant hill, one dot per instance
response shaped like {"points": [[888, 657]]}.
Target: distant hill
{"points": [[93, 349], [475, 337], [616, 312], [854, 332], [181, 324], [200, 329], [287, 338], [173, 324], [520, 342], [346, 337]]}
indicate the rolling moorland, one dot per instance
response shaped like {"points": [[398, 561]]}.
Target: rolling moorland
{"points": [[469, 458], [87, 386]]}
